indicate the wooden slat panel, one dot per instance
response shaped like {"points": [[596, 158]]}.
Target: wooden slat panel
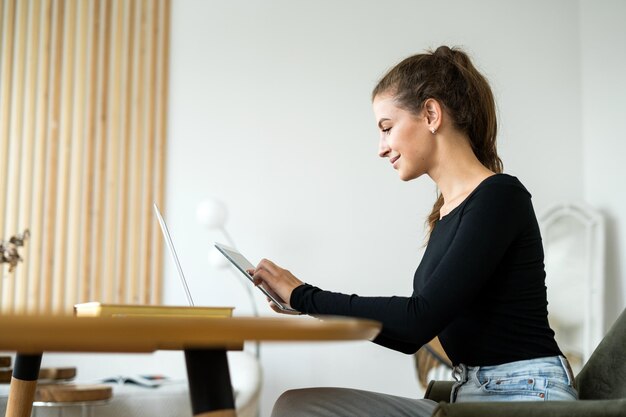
{"points": [[137, 156], [6, 74], [121, 267], [87, 189], [161, 127], [101, 158], [66, 108], [6, 70], [78, 147], [2, 4], [111, 238], [13, 172], [27, 159], [83, 93], [52, 157], [147, 216], [39, 173]]}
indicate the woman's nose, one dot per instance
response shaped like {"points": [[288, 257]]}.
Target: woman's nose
{"points": [[383, 148]]}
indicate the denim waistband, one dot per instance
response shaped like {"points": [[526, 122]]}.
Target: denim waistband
{"points": [[549, 367]]}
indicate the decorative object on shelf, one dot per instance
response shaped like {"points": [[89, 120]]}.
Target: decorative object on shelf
{"points": [[574, 245], [9, 249]]}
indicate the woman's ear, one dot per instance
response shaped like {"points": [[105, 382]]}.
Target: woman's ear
{"points": [[433, 114]]}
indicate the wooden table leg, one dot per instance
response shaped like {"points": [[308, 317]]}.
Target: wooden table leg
{"points": [[209, 383], [23, 385]]}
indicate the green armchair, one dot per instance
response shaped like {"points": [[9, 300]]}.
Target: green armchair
{"points": [[601, 386]]}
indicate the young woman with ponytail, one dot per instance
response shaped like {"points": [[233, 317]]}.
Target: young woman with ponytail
{"points": [[480, 286]]}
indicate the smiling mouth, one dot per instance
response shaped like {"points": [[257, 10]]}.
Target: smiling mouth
{"points": [[394, 159]]}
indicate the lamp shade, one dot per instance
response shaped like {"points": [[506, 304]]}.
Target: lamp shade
{"points": [[211, 213]]}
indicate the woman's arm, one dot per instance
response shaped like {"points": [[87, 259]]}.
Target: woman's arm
{"points": [[490, 222]]}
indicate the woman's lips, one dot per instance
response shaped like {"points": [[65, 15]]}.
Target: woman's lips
{"points": [[394, 159]]}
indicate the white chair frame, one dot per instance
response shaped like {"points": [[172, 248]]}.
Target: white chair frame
{"points": [[594, 231]]}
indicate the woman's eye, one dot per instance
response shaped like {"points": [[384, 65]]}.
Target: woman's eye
{"points": [[386, 131]]}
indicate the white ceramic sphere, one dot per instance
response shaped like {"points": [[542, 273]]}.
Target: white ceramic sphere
{"points": [[211, 213]]}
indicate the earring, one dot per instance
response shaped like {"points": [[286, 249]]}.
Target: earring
{"points": [[433, 130]]}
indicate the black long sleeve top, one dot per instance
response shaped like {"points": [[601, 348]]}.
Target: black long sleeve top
{"points": [[480, 285]]}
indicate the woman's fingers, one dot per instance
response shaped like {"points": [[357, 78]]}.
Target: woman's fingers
{"points": [[263, 275], [276, 280], [268, 266], [271, 274]]}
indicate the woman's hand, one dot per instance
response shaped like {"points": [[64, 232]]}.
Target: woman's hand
{"points": [[276, 280]]}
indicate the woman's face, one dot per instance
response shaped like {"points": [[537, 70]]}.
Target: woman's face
{"points": [[404, 138]]}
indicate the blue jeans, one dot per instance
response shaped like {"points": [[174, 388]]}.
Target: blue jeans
{"points": [[542, 379]]}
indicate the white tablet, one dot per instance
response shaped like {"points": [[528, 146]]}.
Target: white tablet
{"points": [[243, 265]]}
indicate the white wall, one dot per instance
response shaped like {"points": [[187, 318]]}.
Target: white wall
{"points": [[603, 104], [270, 112]]}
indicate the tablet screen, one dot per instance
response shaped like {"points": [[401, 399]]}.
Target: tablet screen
{"points": [[243, 265]]}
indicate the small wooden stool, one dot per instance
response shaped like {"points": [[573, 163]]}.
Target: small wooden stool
{"points": [[56, 374], [62, 396], [45, 374], [54, 391], [5, 369], [5, 361]]}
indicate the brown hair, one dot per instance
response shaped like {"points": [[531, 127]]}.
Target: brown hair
{"points": [[448, 76]]}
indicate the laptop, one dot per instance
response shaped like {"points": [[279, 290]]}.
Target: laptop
{"points": [[170, 247]]}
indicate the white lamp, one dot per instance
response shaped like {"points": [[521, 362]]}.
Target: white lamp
{"points": [[212, 214]]}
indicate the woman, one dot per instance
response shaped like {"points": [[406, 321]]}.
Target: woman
{"points": [[480, 285]]}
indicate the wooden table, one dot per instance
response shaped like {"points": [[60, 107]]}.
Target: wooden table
{"points": [[204, 341]]}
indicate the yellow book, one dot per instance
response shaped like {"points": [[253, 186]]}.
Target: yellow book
{"points": [[96, 309]]}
